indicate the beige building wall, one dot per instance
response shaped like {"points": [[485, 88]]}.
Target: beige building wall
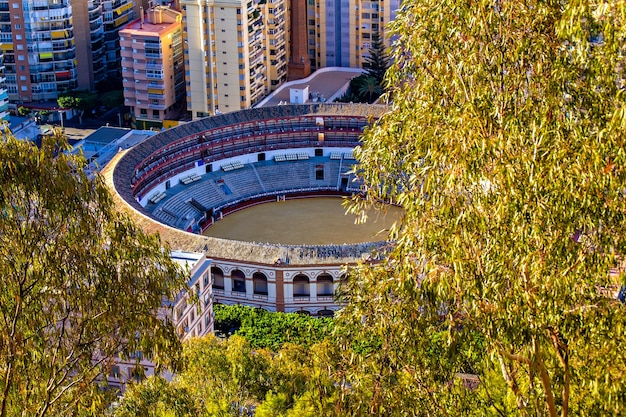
{"points": [[231, 60]]}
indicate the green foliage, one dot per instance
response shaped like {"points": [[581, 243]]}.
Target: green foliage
{"points": [[269, 330], [112, 99], [78, 100], [23, 111], [229, 378], [377, 63], [370, 88], [505, 148], [80, 283], [156, 397]]}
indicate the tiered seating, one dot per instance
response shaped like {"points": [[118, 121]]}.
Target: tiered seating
{"points": [[354, 183], [190, 178], [299, 156], [156, 197], [218, 190], [243, 183], [230, 166], [284, 176]]}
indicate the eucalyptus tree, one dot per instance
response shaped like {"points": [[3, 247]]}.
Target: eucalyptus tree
{"points": [[80, 283], [505, 147]]}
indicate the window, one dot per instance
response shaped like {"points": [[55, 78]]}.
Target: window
{"points": [[24, 88], [301, 286], [155, 114], [259, 281], [325, 285], [18, 37], [114, 372], [216, 274], [18, 26], [239, 281], [16, 5], [20, 47]]}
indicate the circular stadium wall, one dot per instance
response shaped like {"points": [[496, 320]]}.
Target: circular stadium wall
{"points": [[181, 180]]}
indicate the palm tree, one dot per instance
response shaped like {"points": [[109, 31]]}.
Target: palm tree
{"points": [[371, 88]]}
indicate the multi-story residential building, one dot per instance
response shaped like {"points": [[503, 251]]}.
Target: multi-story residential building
{"points": [[152, 66], [4, 97], [194, 317], [117, 13], [235, 52], [89, 38], [339, 32], [40, 55], [191, 318]]}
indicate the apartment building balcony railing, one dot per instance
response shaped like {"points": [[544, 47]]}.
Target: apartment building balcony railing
{"points": [[153, 55], [154, 66], [63, 66], [96, 25], [94, 5], [45, 5], [160, 106], [156, 96], [65, 46], [154, 76], [153, 84]]}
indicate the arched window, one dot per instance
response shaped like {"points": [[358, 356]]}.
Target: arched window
{"points": [[325, 313], [259, 281], [325, 286], [239, 281], [301, 286], [217, 275]]}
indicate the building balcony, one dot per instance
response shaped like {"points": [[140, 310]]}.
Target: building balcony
{"points": [[154, 66], [156, 96], [160, 106], [153, 55], [153, 84]]}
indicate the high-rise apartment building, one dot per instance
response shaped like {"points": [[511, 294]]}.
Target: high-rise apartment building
{"points": [[235, 52], [4, 97], [39, 49], [339, 32], [89, 39], [152, 66], [117, 13]]}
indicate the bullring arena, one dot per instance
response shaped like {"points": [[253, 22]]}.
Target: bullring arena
{"points": [[181, 181]]}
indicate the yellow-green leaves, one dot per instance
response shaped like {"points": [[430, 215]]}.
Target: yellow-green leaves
{"points": [[507, 117], [80, 283]]}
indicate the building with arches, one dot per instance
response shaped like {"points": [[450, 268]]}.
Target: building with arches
{"points": [[180, 181]]}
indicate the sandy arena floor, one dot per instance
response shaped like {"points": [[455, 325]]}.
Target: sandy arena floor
{"points": [[310, 221]]}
